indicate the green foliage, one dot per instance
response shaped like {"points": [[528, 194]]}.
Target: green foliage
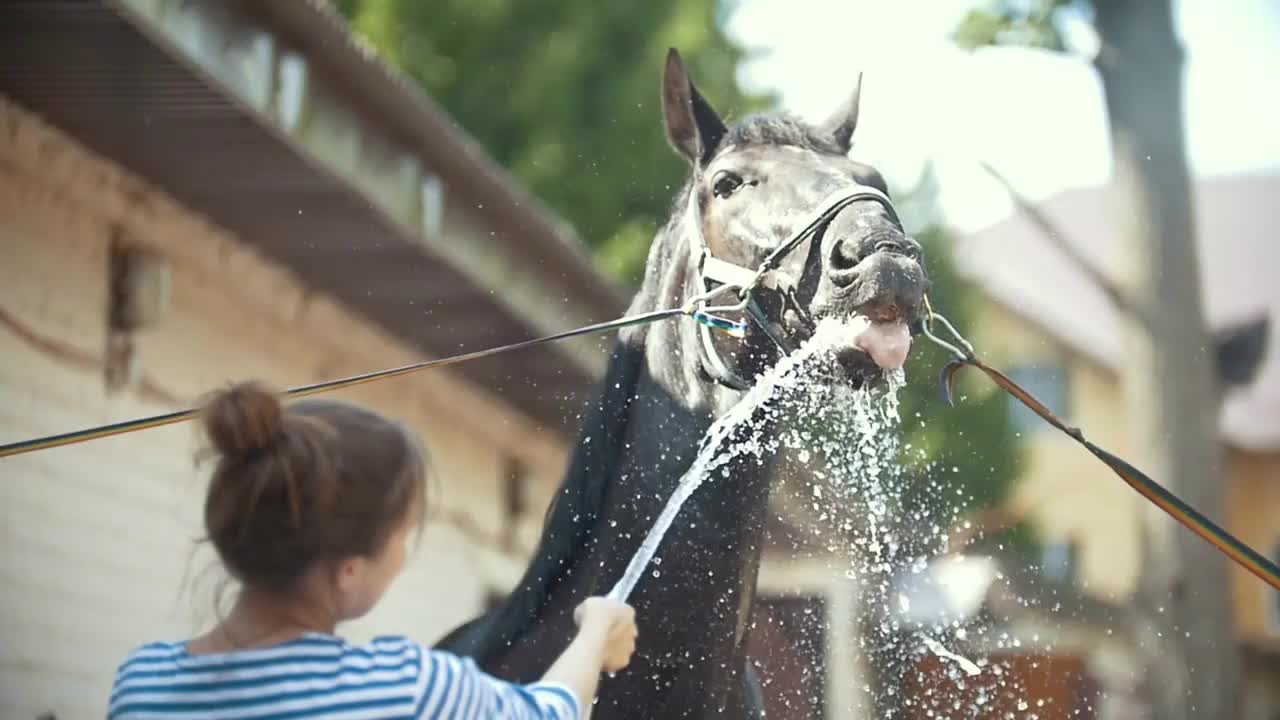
{"points": [[973, 439], [1025, 23], [566, 96]]}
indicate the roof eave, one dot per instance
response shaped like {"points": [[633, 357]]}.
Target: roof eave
{"points": [[297, 61]]}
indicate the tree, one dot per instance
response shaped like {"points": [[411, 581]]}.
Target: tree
{"points": [[565, 95], [1156, 278]]}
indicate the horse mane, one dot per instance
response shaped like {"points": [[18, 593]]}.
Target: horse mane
{"points": [[572, 520], [779, 130]]}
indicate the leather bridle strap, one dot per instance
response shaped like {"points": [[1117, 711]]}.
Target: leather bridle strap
{"points": [[830, 207], [747, 282]]}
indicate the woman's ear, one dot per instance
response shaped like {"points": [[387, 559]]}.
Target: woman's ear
{"points": [[349, 574]]}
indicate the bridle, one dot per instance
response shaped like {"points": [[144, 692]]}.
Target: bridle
{"points": [[718, 277]]}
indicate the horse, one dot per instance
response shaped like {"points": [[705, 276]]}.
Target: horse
{"points": [[750, 186]]}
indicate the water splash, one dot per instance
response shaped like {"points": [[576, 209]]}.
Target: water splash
{"points": [[857, 478], [715, 453], [936, 648], [848, 441]]}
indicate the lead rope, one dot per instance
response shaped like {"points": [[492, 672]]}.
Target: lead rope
{"points": [[1187, 516], [696, 308]]}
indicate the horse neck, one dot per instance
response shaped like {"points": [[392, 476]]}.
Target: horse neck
{"points": [[641, 434], [637, 439], [697, 603], [669, 407], [656, 404]]}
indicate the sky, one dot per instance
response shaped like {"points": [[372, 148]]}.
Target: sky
{"points": [[1036, 117]]}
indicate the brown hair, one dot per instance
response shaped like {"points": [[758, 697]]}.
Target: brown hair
{"points": [[314, 481]]}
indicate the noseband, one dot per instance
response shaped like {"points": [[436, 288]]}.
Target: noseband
{"points": [[718, 276]]}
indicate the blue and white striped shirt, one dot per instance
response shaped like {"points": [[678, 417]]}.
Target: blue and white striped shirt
{"points": [[322, 676]]}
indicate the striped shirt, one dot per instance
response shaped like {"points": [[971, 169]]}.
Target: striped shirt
{"points": [[322, 676]]}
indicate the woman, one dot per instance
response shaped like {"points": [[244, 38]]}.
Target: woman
{"points": [[311, 508]]}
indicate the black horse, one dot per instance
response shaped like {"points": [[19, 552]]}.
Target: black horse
{"points": [[751, 186]]}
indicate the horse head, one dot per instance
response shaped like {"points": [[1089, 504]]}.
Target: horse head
{"points": [[751, 188]]}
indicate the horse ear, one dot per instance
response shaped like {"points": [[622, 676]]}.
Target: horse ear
{"points": [[693, 127], [840, 125]]}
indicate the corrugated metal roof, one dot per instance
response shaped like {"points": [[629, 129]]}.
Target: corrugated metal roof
{"points": [[85, 67], [1236, 220]]}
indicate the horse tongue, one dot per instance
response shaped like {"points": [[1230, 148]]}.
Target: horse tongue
{"points": [[886, 342]]}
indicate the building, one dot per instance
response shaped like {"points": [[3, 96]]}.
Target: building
{"points": [[1043, 321], [193, 193]]}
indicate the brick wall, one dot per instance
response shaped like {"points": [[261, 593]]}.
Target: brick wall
{"points": [[97, 541]]}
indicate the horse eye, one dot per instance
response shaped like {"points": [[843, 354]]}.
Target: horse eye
{"points": [[725, 184]]}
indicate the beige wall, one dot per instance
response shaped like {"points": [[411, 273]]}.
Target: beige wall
{"points": [[97, 549], [1254, 507], [1068, 493]]}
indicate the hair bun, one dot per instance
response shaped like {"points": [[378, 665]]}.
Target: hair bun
{"points": [[243, 419]]}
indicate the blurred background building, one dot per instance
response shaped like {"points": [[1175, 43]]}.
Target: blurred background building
{"points": [[193, 193]]}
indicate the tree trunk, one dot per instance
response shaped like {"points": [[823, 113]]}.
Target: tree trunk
{"points": [[1169, 385]]}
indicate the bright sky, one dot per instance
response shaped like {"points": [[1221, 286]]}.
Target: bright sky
{"points": [[1036, 117]]}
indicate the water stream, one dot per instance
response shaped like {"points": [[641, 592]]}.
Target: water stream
{"points": [[785, 375], [849, 442]]}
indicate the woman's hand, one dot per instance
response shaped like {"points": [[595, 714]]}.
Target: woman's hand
{"points": [[606, 639], [614, 623]]}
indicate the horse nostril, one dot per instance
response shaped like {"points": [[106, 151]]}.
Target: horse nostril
{"points": [[904, 246], [889, 246], [844, 257]]}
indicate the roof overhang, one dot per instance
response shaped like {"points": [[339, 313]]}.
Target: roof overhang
{"points": [[271, 121]]}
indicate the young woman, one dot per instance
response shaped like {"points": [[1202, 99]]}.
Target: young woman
{"points": [[311, 508]]}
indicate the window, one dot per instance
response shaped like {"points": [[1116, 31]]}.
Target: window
{"points": [[1058, 561], [139, 298], [293, 89], [1047, 381], [432, 205]]}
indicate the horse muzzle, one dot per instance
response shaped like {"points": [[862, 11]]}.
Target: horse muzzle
{"points": [[875, 301]]}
